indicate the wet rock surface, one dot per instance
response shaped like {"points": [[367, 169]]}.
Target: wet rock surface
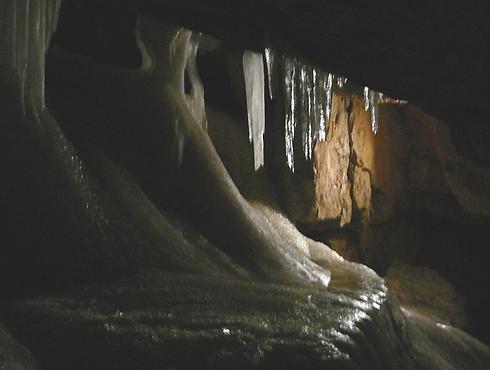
{"points": [[178, 321]]}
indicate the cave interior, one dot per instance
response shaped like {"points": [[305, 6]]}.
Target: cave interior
{"points": [[259, 185]]}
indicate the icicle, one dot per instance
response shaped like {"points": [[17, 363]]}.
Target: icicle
{"points": [[329, 91], [316, 108], [341, 81], [290, 108], [366, 98], [253, 69], [269, 61], [309, 104], [312, 131], [306, 102], [373, 103], [321, 84]]}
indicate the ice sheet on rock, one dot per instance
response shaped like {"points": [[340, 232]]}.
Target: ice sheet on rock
{"points": [[295, 246], [253, 69]]}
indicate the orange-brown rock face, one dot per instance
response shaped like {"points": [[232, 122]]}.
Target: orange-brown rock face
{"points": [[365, 186], [358, 176], [333, 199]]}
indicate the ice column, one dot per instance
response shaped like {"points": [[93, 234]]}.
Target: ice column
{"points": [[26, 28]]}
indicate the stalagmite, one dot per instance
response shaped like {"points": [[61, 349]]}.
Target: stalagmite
{"points": [[253, 69]]}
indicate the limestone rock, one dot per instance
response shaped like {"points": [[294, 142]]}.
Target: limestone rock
{"points": [[332, 185], [362, 179]]}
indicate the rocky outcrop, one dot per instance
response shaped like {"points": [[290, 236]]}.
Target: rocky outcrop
{"points": [[179, 321]]}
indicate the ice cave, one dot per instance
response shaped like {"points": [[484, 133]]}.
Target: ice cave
{"points": [[276, 184]]}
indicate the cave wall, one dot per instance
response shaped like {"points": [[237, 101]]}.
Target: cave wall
{"points": [[402, 198]]}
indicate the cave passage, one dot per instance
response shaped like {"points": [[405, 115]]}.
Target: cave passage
{"points": [[155, 180]]}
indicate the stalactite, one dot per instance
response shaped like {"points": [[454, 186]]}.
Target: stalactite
{"points": [[290, 109], [371, 102]]}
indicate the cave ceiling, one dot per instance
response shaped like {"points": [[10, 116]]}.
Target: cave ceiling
{"points": [[433, 54]]}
